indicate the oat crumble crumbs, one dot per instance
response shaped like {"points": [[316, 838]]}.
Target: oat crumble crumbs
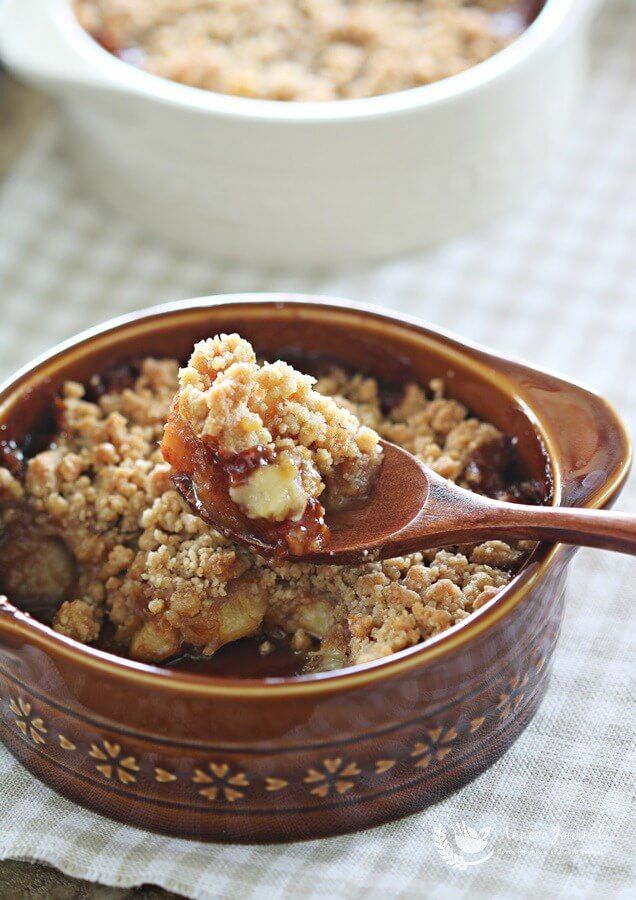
{"points": [[280, 448], [303, 49], [145, 568]]}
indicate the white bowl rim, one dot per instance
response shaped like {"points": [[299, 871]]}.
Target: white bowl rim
{"points": [[116, 73]]}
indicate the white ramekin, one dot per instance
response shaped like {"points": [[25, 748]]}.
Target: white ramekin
{"points": [[307, 183]]}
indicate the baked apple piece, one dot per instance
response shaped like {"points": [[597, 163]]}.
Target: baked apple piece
{"points": [[37, 571], [261, 455]]}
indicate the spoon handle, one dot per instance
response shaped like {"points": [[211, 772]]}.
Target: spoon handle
{"points": [[582, 527]]}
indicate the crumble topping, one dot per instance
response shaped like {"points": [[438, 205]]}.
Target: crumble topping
{"points": [[271, 443], [307, 50], [128, 557]]}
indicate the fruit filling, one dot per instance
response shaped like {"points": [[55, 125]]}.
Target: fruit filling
{"points": [[258, 451]]}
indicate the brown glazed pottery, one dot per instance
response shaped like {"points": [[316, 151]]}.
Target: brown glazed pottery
{"points": [[287, 758]]}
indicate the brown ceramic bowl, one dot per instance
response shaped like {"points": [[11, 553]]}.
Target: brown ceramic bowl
{"points": [[281, 759]]}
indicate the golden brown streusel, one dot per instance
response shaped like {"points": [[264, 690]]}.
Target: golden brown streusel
{"points": [[288, 442], [308, 50], [163, 579]]}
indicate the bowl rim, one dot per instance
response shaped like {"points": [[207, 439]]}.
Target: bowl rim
{"points": [[13, 619], [124, 76]]}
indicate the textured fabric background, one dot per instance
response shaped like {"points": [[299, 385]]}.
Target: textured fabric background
{"points": [[555, 284]]}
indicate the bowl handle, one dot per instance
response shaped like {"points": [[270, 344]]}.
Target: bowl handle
{"points": [[588, 442]]}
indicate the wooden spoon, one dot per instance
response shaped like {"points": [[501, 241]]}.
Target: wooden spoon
{"points": [[413, 508]]}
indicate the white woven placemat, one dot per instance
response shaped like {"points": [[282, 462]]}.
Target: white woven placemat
{"points": [[555, 284]]}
